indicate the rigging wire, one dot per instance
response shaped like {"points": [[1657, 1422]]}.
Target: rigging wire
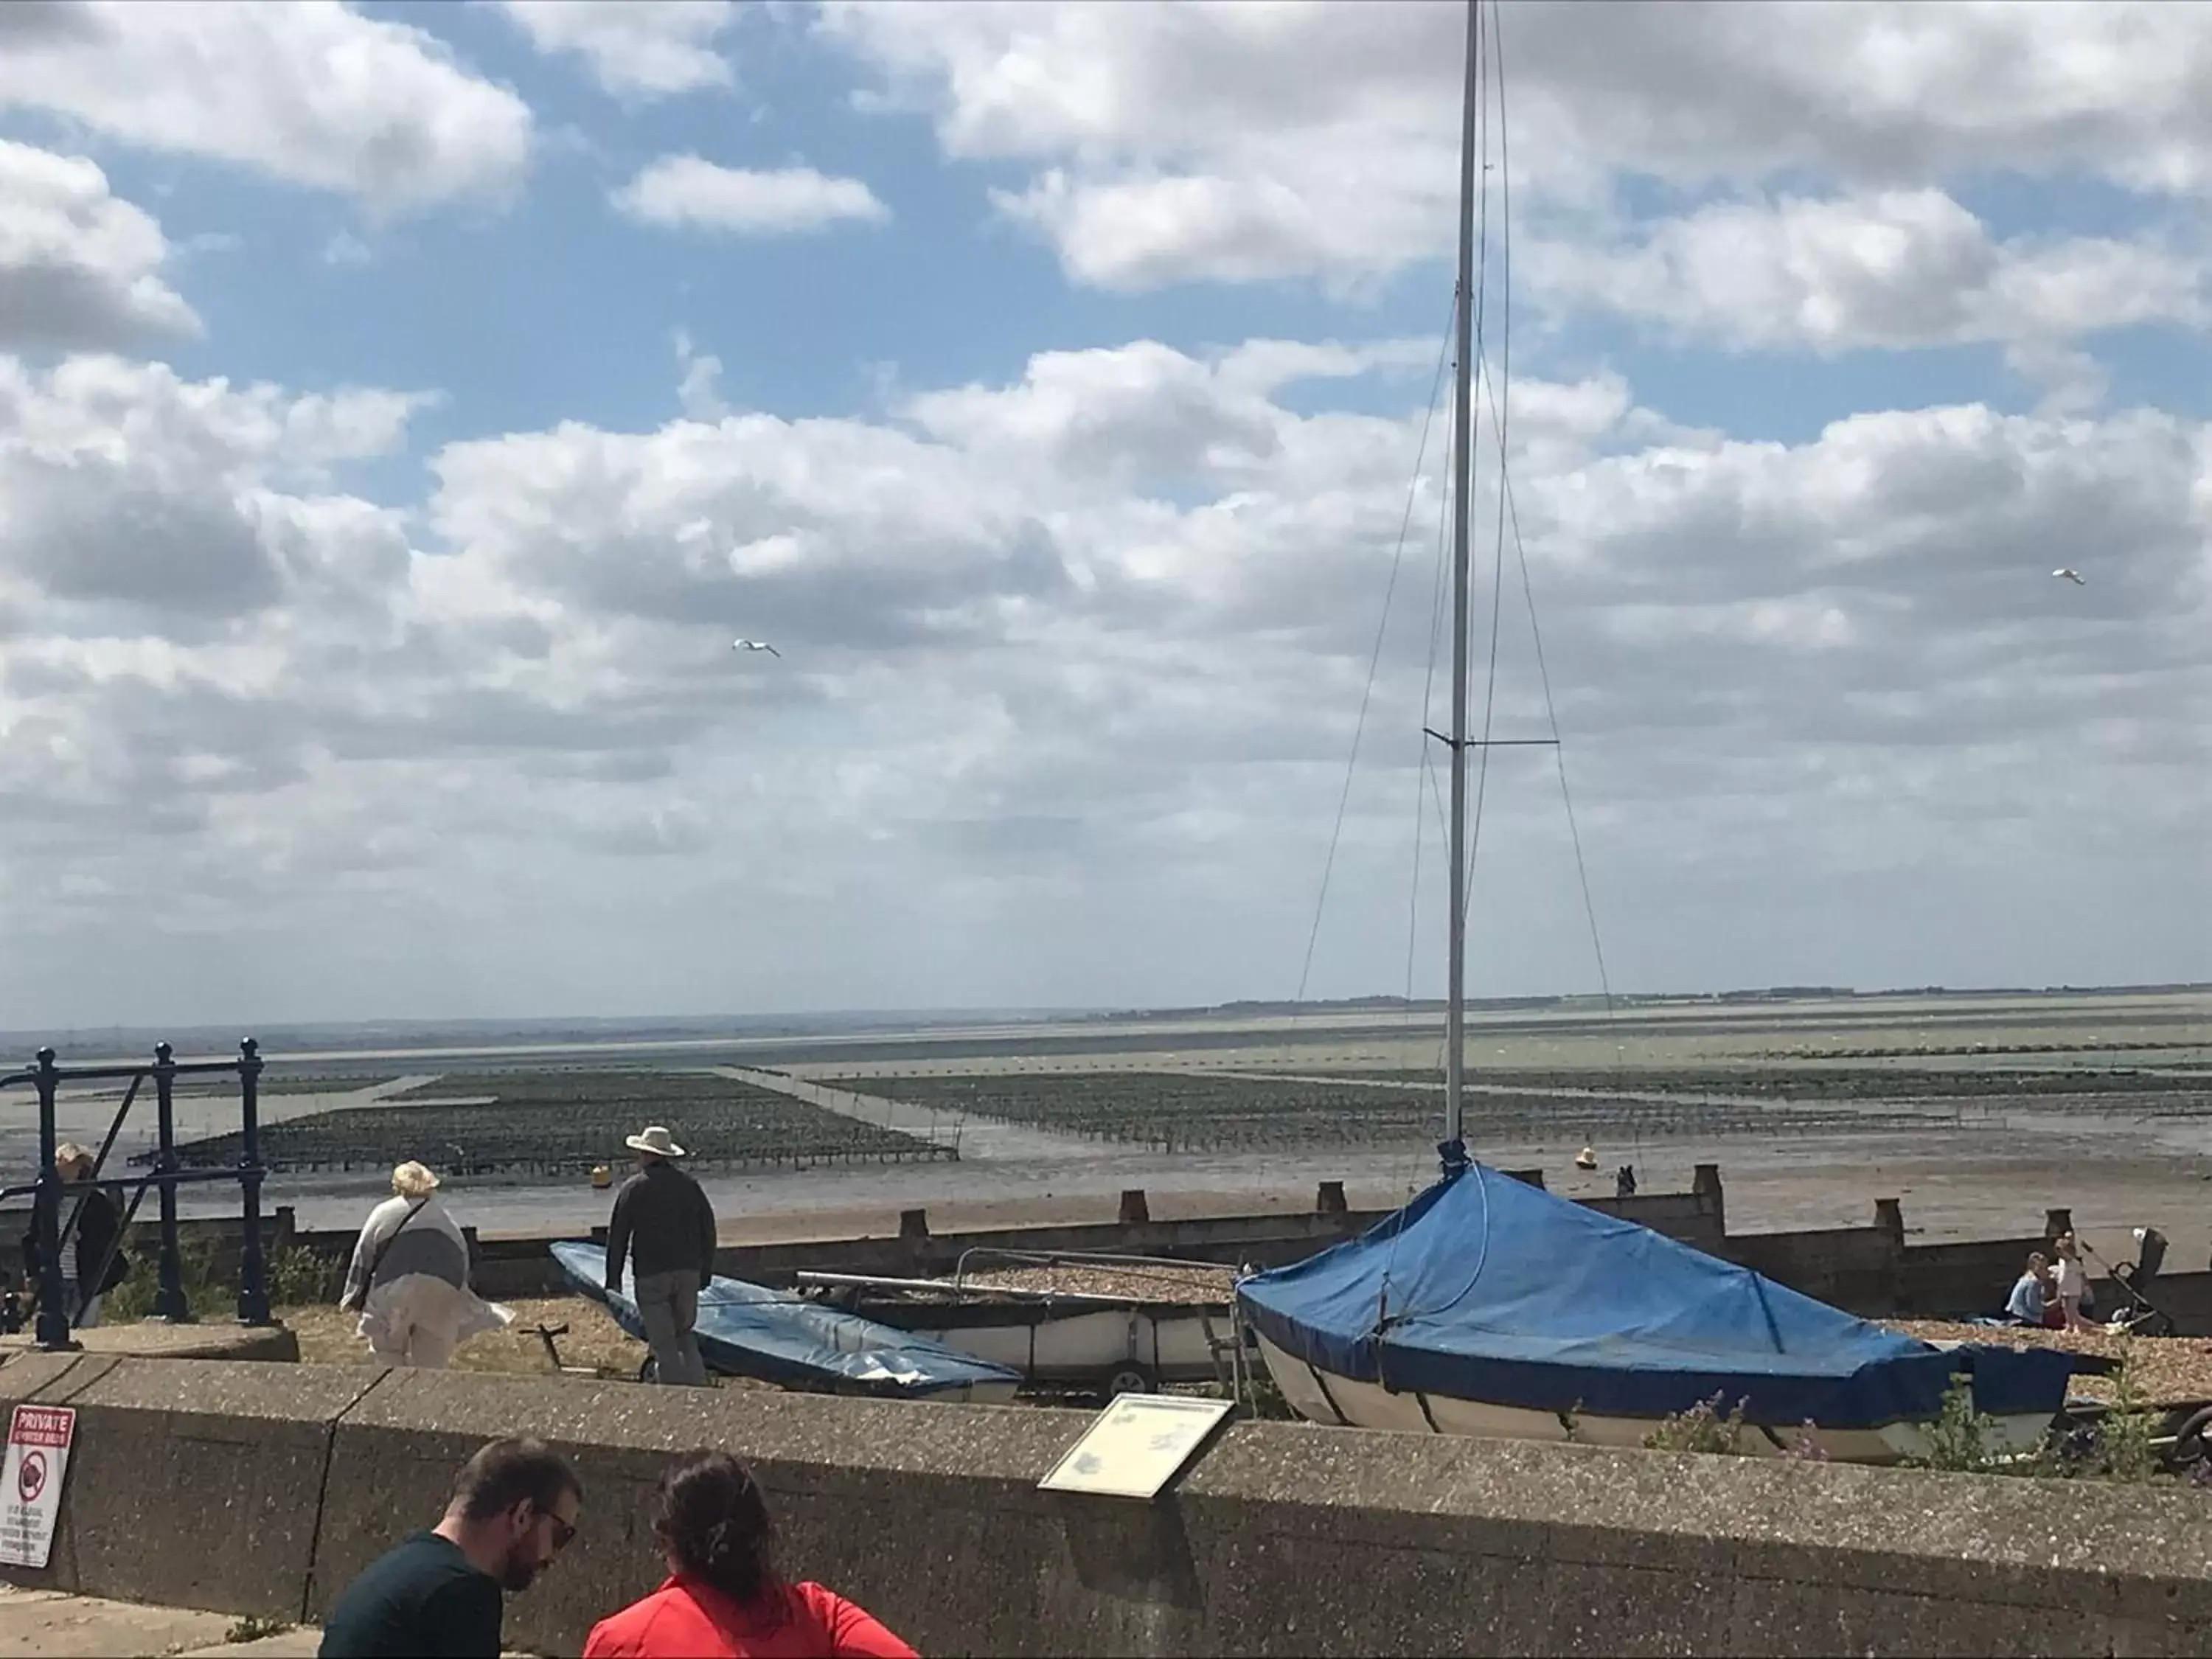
{"points": [[1424, 771], [1481, 361], [1510, 511], [1373, 662]]}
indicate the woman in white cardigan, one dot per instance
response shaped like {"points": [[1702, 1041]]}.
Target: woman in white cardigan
{"points": [[409, 1278]]}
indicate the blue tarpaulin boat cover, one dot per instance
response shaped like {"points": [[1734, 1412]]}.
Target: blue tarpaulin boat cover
{"points": [[748, 1330], [1486, 1288]]}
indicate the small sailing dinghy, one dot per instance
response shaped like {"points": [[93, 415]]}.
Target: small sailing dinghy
{"points": [[1488, 1306], [748, 1330]]}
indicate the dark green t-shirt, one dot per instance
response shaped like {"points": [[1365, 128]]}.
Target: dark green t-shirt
{"points": [[423, 1598]]}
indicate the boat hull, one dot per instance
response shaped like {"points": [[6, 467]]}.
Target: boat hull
{"points": [[745, 1330], [1342, 1401], [1056, 1345]]}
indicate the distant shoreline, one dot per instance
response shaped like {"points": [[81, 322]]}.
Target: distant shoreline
{"points": [[388, 1038]]}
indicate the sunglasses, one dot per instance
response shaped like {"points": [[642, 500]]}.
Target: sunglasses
{"points": [[564, 1532]]}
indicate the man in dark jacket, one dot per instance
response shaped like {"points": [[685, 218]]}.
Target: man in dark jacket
{"points": [[93, 1263], [664, 1227], [438, 1593]]}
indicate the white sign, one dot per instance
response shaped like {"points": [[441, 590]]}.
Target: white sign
{"points": [[1137, 1445], [39, 1439]]}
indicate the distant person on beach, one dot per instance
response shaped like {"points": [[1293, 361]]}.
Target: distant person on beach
{"points": [[2073, 1283], [663, 1228], [91, 1260], [2026, 1303], [409, 1278], [722, 1598], [513, 1509]]}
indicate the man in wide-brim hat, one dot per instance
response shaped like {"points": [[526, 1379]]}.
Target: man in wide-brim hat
{"points": [[662, 1230]]}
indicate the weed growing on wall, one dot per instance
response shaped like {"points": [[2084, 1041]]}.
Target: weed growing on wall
{"points": [[1703, 1428]]}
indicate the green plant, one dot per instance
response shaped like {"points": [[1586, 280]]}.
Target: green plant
{"points": [[1703, 1428], [2122, 1449], [298, 1278], [207, 1293], [1961, 1439], [254, 1627], [292, 1276]]}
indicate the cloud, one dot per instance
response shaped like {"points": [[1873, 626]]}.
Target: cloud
{"points": [[699, 394], [132, 498], [634, 51], [684, 192], [1235, 141], [1074, 654], [79, 267], [1897, 269], [311, 92]]}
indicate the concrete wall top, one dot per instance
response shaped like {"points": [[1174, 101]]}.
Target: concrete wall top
{"points": [[998, 1443]]}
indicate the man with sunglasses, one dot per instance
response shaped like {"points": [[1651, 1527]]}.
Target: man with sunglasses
{"points": [[513, 1509]]}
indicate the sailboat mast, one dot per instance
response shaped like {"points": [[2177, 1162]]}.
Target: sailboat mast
{"points": [[1462, 430]]}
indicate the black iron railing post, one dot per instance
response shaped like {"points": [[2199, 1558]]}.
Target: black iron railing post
{"points": [[53, 1326], [170, 1304], [252, 1292]]}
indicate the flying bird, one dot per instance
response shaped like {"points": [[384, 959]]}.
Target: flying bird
{"points": [[756, 645], [2066, 573]]}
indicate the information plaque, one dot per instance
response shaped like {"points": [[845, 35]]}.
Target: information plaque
{"points": [[1138, 1444]]}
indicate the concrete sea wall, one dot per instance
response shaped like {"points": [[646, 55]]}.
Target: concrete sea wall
{"points": [[250, 1488]]}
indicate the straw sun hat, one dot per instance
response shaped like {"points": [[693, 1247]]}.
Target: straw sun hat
{"points": [[413, 1180], [655, 1139]]}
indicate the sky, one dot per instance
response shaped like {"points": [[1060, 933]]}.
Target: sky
{"points": [[403, 407]]}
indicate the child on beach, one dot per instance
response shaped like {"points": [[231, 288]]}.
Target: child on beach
{"points": [[2073, 1284]]}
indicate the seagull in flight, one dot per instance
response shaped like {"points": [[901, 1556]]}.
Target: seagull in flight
{"points": [[2068, 573], [759, 645]]}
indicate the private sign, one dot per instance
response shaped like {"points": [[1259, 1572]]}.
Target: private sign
{"points": [[39, 1439]]}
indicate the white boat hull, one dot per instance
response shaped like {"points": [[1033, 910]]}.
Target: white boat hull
{"points": [[1323, 1397], [1085, 1347]]}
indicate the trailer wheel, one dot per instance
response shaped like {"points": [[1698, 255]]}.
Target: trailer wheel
{"points": [[2188, 1442], [1131, 1378]]}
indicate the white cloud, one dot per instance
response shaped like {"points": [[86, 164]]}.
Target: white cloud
{"points": [[685, 192], [1027, 696], [78, 266], [129, 491], [1898, 269], [635, 50], [699, 394], [310, 92], [1237, 141]]}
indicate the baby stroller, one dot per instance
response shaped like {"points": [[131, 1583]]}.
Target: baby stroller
{"points": [[2136, 1316]]}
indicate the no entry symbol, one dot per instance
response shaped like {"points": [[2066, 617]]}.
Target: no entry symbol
{"points": [[31, 1479]]}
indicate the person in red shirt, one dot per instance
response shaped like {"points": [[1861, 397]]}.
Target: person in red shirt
{"points": [[722, 1598]]}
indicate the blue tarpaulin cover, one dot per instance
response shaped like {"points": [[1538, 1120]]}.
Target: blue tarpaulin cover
{"points": [[1485, 1288], [748, 1330]]}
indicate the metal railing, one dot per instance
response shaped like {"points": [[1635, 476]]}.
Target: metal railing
{"points": [[51, 1234]]}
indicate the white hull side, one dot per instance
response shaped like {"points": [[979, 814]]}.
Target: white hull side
{"points": [[1323, 1397], [1079, 1348]]}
